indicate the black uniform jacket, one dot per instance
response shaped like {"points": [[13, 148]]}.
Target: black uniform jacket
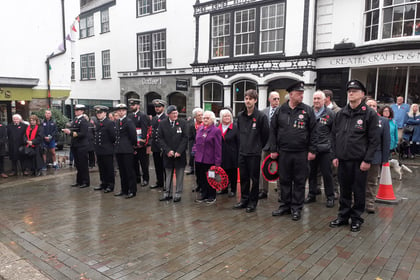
{"points": [[173, 139], [3, 139], [126, 137], [142, 123], [323, 131], [253, 132], [155, 133], [105, 135], [81, 127], [355, 133], [15, 134], [230, 147], [292, 130]]}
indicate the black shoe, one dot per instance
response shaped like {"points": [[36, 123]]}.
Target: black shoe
{"points": [[145, 183], [98, 188], [240, 205], [130, 195], [197, 189], [74, 185], [281, 211], [165, 198], [225, 191], [310, 199], [82, 186], [262, 195], [138, 180], [177, 199], [330, 203], [231, 194], [251, 208], [338, 223], [155, 186], [355, 226], [119, 194], [108, 190], [296, 215]]}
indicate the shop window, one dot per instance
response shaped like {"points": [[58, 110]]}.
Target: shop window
{"points": [[239, 89], [180, 101], [392, 19], [212, 96], [391, 83], [413, 85]]}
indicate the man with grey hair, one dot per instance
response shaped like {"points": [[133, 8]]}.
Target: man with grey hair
{"points": [[324, 121], [274, 99]]}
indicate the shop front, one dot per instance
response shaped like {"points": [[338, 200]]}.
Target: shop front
{"points": [[386, 75]]}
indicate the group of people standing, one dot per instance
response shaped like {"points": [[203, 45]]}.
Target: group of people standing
{"points": [[28, 144]]}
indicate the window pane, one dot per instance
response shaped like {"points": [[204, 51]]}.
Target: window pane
{"points": [[391, 82], [413, 85], [398, 13], [397, 29], [410, 11], [386, 32], [408, 28], [387, 2], [387, 15]]}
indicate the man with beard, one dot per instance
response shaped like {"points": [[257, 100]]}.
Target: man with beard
{"points": [[141, 121], [156, 149]]}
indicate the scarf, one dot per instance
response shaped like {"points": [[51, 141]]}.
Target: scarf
{"points": [[30, 134]]}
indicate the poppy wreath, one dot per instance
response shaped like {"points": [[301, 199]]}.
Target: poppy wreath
{"points": [[267, 170], [220, 181]]}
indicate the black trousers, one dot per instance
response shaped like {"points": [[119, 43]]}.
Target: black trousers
{"points": [[293, 171], [141, 157], [323, 162], [201, 172], [352, 184], [249, 169], [127, 173], [232, 174], [159, 169], [106, 170], [81, 161]]}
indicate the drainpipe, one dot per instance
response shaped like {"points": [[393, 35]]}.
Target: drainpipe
{"points": [[47, 62]]}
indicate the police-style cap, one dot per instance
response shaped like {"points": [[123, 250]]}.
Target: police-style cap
{"points": [[355, 84], [299, 86], [100, 109], [120, 106], [133, 101], [158, 103], [79, 107], [171, 108]]}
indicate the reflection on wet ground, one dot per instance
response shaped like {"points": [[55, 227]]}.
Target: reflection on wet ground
{"points": [[72, 233]]}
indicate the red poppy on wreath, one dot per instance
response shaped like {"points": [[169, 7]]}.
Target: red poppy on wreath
{"points": [[328, 116], [364, 108]]}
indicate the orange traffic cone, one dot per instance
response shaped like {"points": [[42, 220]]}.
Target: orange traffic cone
{"points": [[385, 192]]}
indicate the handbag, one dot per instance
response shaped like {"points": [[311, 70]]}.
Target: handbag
{"points": [[408, 129], [27, 151]]}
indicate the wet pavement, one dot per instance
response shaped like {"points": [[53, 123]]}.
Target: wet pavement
{"points": [[50, 230]]}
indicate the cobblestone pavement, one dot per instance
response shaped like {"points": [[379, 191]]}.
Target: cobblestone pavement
{"points": [[50, 230]]}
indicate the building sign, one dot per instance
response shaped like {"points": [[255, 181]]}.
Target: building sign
{"points": [[151, 81], [182, 85], [213, 6], [383, 58]]}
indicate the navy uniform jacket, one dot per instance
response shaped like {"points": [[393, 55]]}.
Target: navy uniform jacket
{"points": [[104, 137], [322, 131], [155, 133], [292, 130], [126, 137], [141, 122], [355, 133], [173, 139], [81, 126], [382, 151]]}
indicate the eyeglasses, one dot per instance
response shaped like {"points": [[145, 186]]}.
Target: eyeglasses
{"points": [[276, 98]]}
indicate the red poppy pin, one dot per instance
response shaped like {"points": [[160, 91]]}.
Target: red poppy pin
{"points": [[364, 108], [303, 112], [120, 123], [177, 123], [102, 124], [254, 120]]}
